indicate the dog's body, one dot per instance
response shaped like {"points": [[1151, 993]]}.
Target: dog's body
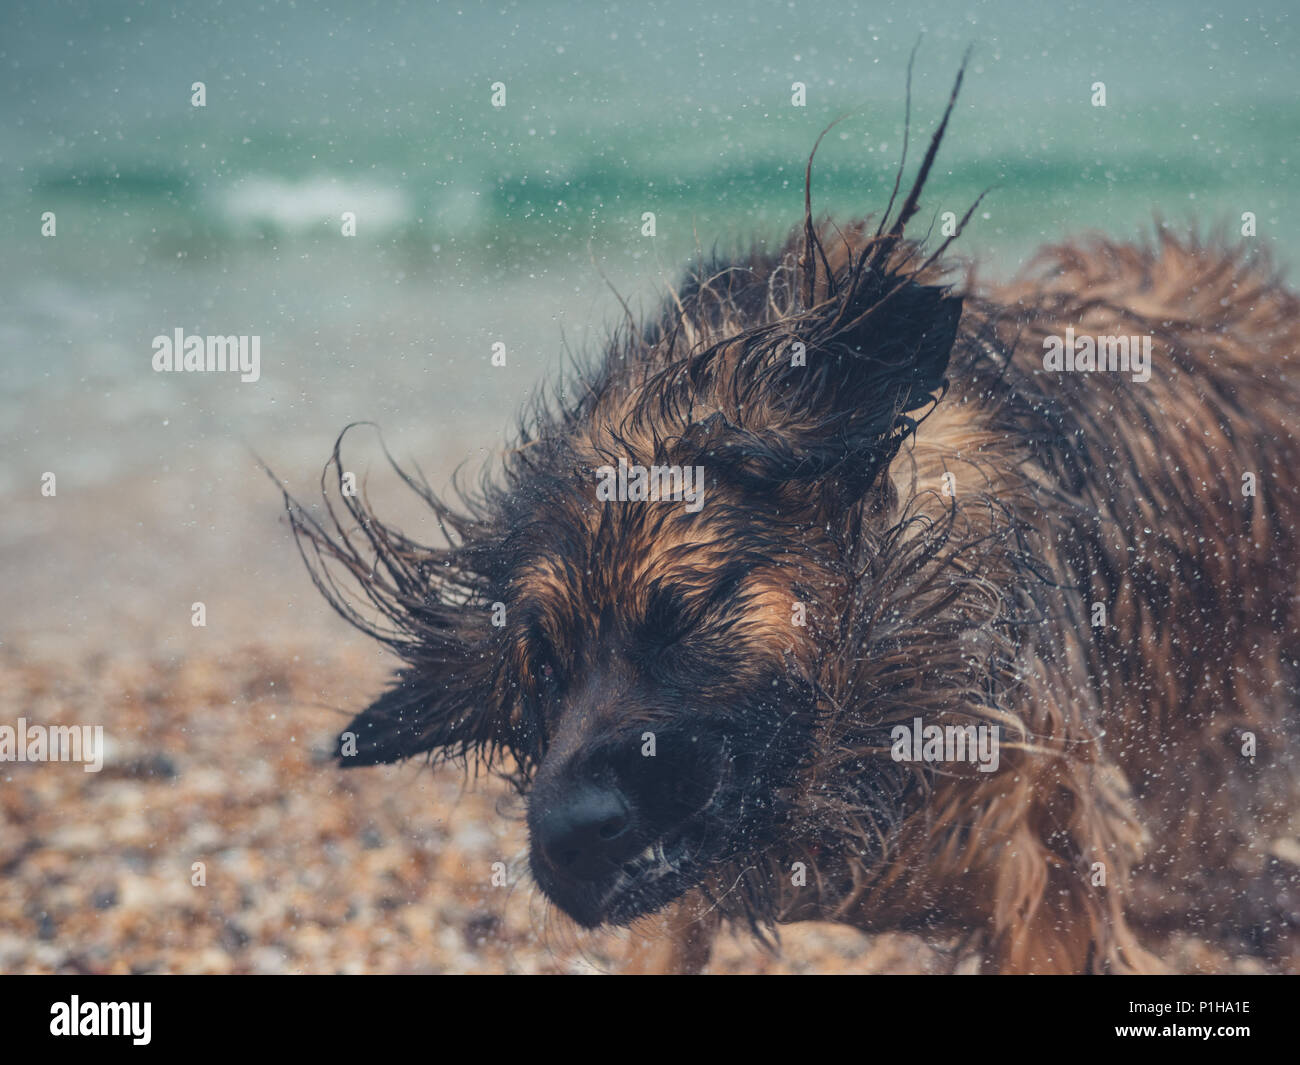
{"points": [[905, 517], [1134, 720]]}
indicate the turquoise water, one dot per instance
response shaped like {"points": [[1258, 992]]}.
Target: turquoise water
{"points": [[614, 110], [478, 224]]}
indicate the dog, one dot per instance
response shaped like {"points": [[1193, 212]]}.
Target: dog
{"points": [[845, 590]]}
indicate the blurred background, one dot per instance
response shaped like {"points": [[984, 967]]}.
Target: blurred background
{"points": [[474, 225]]}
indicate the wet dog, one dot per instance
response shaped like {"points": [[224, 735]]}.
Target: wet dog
{"points": [[844, 590]]}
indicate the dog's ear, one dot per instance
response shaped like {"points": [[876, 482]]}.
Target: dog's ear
{"points": [[441, 710], [843, 412], [429, 605]]}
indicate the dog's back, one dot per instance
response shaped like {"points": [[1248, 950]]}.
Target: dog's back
{"points": [[1168, 510], [1189, 532]]}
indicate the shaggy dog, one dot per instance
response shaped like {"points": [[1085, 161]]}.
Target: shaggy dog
{"points": [[839, 591]]}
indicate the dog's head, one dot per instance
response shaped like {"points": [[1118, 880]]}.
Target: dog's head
{"points": [[639, 619], [638, 614]]}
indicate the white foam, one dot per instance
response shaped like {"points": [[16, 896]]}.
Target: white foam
{"points": [[314, 203]]}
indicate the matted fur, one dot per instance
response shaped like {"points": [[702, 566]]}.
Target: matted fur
{"points": [[1121, 744]]}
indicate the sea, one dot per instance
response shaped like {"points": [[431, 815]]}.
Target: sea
{"points": [[423, 211]]}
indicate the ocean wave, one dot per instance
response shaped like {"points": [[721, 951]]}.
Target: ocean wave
{"points": [[267, 204], [262, 202]]}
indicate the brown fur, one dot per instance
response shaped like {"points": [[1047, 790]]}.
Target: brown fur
{"points": [[1199, 583]]}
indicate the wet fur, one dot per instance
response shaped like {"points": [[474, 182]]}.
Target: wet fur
{"points": [[1121, 744]]}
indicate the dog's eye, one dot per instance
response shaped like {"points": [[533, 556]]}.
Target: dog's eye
{"points": [[547, 674], [540, 660]]}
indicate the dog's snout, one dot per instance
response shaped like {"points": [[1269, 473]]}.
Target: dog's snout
{"points": [[584, 834]]}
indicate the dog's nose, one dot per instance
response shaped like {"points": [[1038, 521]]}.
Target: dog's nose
{"points": [[584, 835]]}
